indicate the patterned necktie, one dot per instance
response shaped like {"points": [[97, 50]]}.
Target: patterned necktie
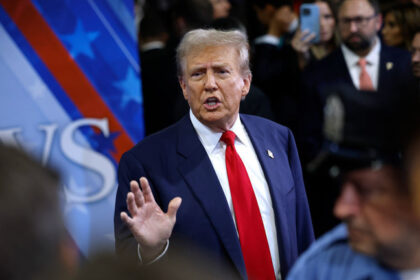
{"points": [[250, 226], [365, 81]]}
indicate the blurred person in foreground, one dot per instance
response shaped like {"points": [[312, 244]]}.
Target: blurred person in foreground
{"points": [[33, 240], [238, 176], [380, 236], [108, 266]]}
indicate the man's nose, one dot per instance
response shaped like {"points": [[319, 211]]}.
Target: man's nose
{"points": [[210, 82], [353, 26], [348, 203]]}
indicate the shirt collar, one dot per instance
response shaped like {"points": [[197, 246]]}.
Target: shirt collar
{"points": [[210, 139], [353, 59], [152, 45], [373, 55], [268, 39]]}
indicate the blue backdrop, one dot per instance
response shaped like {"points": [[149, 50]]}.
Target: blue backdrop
{"points": [[70, 94]]}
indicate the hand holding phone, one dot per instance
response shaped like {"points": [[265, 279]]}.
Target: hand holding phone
{"points": [[309, 20]]}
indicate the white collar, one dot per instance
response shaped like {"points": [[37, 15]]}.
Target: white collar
{"points": [[152, 45], [353, 59], [210, 139], [268, 39]]}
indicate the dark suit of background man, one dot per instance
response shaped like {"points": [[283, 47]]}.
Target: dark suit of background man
{"points": [[372, 114], [187, 161]]}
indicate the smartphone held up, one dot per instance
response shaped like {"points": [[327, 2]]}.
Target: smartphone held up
{"points": [[309, 21]]}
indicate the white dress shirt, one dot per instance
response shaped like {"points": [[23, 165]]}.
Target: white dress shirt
{"points": [[372, 64], [216, 151]]}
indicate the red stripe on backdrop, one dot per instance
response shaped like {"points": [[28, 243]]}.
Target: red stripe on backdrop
{"points": [[68, 74]]}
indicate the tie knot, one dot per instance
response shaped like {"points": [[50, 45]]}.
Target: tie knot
{"points": [[362, 62], [228, 137]]}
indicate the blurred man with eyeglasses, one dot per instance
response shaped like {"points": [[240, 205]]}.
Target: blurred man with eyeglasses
{"points": [[377, 81]]}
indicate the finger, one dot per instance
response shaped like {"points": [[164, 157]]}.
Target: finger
{"points": [[138, 194], [126, 219], [309, 38], [173, 207], [304, 33], [147, 191], [131, 204]]}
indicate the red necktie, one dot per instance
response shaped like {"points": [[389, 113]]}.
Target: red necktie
{"points": [[365, 81], [250, 226]]}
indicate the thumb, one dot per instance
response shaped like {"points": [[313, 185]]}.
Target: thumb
{"points": [[126, 219], [173, 207]]}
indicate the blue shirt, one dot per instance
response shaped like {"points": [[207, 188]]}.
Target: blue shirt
{"points": [[331, 258]]}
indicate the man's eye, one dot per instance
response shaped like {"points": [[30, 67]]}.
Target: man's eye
{"points": [[223, 71], [358, 20], [196, 74]]}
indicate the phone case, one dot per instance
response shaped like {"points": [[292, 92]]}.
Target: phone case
{"points": [[309, 19]]}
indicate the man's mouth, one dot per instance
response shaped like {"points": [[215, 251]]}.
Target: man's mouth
{"points": [[355, 38], [211, 103]]}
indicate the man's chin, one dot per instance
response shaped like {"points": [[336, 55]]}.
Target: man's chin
{"points": [[361, 241], [357, 46], [362, 247]]}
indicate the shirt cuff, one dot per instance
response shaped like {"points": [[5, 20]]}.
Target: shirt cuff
{"points": [[157, 258], [270, 40]]}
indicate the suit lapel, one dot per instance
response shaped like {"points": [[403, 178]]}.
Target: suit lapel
{"points": [[197, 170], [386, 65]]}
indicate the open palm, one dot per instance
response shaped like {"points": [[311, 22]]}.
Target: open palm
{"points": [[150, 226]]}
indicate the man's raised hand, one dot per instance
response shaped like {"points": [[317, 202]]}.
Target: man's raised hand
{"points": [[150, 226]]}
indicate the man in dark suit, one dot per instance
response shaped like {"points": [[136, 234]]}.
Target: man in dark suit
{"points": [[273, 67], [158, 73], [188, 161], [380, 82]]}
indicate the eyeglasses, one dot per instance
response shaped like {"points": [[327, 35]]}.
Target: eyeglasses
{"points": [[359, 21]]}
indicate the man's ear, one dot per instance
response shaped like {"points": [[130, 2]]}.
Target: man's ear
{"points": [[183, 86], [246, 85], [379, 20]]}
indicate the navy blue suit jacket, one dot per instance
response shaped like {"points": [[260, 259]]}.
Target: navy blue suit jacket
{"points": [[395, 90], [176, 164]]}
